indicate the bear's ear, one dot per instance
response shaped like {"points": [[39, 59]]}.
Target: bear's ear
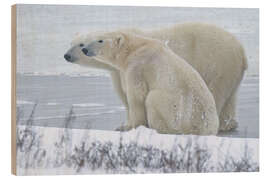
{"points": [[119, 40]]}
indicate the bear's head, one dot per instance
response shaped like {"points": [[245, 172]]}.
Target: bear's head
{"points": [[107, 48], [76, 56]]}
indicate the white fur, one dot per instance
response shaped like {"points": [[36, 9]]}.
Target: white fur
{"points": [[214, 53], [163, 91]]}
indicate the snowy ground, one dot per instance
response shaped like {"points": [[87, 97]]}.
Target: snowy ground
{"points": [[51, 151], [97, 106]]}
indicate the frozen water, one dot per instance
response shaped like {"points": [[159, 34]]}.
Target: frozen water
{"points": [[95, 102]]}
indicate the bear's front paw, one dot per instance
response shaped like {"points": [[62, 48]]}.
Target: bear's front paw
{"points": [[228, 125], [123, 128]]}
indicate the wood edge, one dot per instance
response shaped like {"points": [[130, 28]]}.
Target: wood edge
{"points": [[13, 88]]}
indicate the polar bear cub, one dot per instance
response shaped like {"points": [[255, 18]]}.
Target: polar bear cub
{"points": [[163, 91]]}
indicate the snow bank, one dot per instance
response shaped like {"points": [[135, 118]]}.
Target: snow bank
{"points": [[49, 151]]}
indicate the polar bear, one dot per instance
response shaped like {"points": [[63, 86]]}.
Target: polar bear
{"points": [[216, 54], [163, 91]]}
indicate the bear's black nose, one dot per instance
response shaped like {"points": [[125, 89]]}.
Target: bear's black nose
{"points": [[67, 57], [85, 51]]}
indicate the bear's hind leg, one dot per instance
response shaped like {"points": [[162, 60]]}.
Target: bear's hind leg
{"points": [[158, 112], [227, 115], [154, 117]]}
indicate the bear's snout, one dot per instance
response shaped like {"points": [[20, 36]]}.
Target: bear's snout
{"points": [[67, 57], [88, 53], [85, 51]]}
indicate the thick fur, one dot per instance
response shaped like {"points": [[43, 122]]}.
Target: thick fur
{"points": [[163, 91], [216, 55]]}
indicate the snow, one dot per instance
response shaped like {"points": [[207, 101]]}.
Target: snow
{"points": [[49, 151]]}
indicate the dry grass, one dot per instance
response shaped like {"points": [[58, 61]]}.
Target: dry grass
{"points": [[123, 157]]}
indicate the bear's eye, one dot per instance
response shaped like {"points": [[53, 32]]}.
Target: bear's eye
{"points": [[81, 45], [100, 41]]}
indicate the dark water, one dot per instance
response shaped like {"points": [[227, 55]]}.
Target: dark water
{"points": [[97, 106]]}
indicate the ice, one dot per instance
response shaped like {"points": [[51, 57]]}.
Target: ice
{"points": [[88, 105], [52, 104], [22, 102]]}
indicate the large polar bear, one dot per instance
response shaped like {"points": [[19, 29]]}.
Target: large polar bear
{"points": [[163, 91], [214, 53]]}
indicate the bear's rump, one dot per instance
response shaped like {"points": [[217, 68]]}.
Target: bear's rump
{"points": [[167, 112]]}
